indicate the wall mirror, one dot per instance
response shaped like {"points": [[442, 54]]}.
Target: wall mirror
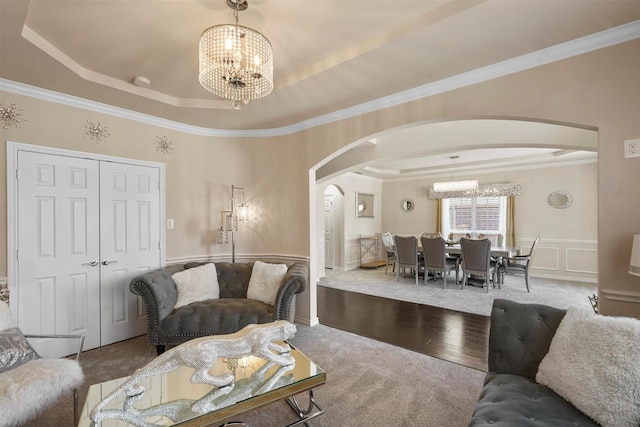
{"points": [[560, 199], [364, 205], [407, 205]]}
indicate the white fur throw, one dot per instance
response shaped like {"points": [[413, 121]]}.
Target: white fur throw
{"points": [[32, 387], [594, 363], [196, 284], [265, 281]]}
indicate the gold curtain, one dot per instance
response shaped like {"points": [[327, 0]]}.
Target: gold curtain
{"points": [[439, 216], [511, 221]]}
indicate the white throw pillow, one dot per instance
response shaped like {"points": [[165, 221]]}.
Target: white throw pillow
{"points": [[265, 281], [196, 284], [594, 363]]}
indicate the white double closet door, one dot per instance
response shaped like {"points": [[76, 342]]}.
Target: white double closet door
{"points": [[85, 227]]}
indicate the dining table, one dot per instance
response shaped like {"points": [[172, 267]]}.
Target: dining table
{"points": [[502, 251]]}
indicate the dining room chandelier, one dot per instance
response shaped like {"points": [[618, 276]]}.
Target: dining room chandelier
{"points": [[465, 185], [455, 185], [236, 62]]}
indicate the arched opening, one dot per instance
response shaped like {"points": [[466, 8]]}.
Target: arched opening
{"points": [[542, 145]]}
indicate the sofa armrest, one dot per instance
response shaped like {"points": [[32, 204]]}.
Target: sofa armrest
{"points": [[293, 282], [159, 294], [520, 336]]}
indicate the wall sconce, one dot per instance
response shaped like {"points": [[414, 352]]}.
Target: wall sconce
{"points": [[230, 221]]}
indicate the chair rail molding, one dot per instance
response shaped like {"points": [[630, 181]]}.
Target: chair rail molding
{"points": [[618, 295], [239, 258]]}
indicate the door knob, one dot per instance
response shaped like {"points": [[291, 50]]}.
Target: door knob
{"points": [[92, 263], [107, 262]]}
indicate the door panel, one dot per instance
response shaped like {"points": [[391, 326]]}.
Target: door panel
{"points": [[130, 244], [58, 225], [329, 236], [84, 229]]}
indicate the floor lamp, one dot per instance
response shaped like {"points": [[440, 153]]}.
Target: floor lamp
{"points": [[230, 221]]}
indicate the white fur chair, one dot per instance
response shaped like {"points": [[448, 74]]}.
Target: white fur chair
{"points": [[29, 383]]}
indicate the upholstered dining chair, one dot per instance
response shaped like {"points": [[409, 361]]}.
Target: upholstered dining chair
{"points": [[455, 237], [496, 239], [435, 259], [430, 234], [407, 253], [476, 260], [390, 251], [521, 263]]}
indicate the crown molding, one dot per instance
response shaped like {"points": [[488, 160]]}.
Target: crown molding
{"points": [[582, 45]]}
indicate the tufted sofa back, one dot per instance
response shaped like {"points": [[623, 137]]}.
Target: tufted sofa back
{"points": [[520, 336]]}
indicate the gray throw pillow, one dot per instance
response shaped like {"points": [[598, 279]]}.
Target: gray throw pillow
{"points": [[14, 349]]}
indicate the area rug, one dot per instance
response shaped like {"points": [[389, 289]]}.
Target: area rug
{"points": [[369, 383], [472, 299]]}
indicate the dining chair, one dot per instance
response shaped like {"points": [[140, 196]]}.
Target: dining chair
{"points": [[430, 234], [390, 251], [496, 239], [521, 263], [455, 237], [435, 259], [407, 255], [476, 260]]}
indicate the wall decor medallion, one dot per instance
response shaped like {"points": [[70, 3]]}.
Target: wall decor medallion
{"points": [[11, 115], [96, 131], [164, 145], [560, 199], [407, 205]]}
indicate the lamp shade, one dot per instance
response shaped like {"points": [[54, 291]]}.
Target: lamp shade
{"points": [[634, 263]]}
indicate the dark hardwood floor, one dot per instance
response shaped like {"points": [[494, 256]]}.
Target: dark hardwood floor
{"points": [[446, 334]]}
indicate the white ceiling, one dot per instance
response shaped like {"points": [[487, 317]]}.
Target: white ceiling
{"points": [[330, 56]]}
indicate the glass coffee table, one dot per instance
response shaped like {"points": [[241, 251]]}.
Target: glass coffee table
{"points": [[170, 398]]}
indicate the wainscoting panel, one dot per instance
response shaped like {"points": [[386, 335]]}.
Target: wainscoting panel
{"points": [[582, 260], [353, 253], [546, 258], [575, 260]]}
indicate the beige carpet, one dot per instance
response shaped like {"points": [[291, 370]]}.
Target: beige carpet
{"points": [[369, 383], [556, 293]]}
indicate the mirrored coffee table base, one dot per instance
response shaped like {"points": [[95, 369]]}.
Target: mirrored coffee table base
{"points": [[169, 398]]}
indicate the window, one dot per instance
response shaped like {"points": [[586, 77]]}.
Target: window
{"points": [[474, 215]]}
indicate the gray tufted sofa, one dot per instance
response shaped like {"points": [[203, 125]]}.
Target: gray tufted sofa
{"points": [[228, 314], [519, 339]]}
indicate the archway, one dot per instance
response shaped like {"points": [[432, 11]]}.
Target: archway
{"points": [[422, 139]]}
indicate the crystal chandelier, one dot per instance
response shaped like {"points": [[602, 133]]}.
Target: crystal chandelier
{"points": [[470, 184], [236, 62], [455, 185]]}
